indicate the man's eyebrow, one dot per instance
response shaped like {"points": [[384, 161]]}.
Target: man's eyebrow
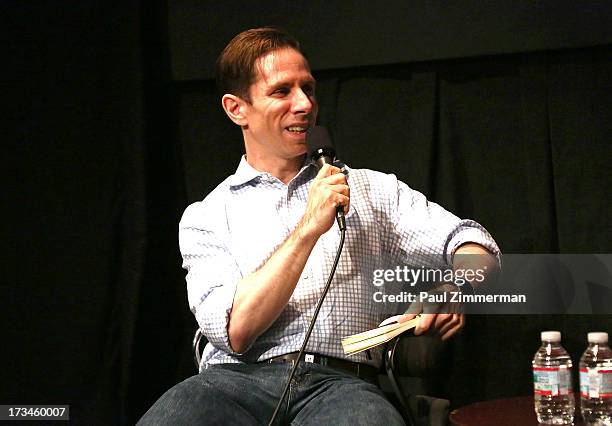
{"points": [[286, 83], [278, 84]]}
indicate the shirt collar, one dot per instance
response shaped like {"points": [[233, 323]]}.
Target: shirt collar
{"points": [[245, 173]]}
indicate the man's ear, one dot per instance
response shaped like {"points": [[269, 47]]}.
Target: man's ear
{"points": [[235, 108]]}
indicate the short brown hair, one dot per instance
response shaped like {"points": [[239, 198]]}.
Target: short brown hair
{"points": [[236, 65]]}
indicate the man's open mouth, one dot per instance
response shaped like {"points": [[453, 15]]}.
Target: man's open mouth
{"points": [[297, 129]]}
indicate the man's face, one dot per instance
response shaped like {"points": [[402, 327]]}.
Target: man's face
{"points": [[282, 106]]}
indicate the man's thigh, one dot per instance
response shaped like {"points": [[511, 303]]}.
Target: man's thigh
{"points": [[229, 394], [347, 401]]}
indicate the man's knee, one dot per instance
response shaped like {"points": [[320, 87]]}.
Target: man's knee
{"points": [[193, 401], [351, 403], [175, 404]]}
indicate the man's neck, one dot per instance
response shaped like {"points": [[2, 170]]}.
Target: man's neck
{"points": [[281, 168]]}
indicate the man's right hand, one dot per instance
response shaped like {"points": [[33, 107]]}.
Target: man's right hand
{"points": [[328, 190]]}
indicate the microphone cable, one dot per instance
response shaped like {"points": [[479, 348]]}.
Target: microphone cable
{"points": [[311, 325]]}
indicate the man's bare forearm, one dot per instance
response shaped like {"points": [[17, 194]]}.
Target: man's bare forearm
{"points": [[473, 256], [262, 295]]}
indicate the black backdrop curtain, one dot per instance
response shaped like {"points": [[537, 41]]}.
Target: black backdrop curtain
{"points": [[110, 150], [73, 90]]}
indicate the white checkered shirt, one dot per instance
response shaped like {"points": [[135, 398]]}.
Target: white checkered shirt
{"points": [[236, 228]]}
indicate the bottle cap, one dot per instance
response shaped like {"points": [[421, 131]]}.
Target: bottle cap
{"points": [[551, 336], [597, 337]]}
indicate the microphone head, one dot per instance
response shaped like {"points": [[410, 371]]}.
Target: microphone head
{"points": [[319, 144]]}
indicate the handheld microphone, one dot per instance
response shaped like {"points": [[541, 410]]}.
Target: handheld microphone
{"points": [[321, 150]]}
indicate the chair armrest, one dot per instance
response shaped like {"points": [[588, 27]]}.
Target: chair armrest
{"points": [[197, 353], [418, 356]]}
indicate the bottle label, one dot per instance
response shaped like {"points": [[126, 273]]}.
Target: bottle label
{"points": [[584, 383], [552, 381], [596, 382]]}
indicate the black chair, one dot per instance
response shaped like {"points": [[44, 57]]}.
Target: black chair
{"points": [[408, 362]]}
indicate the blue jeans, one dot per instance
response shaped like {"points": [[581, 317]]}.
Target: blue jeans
{"points": [[246, 394]]}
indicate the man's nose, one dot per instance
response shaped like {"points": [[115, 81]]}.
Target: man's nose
{"points": [[302, 103]]}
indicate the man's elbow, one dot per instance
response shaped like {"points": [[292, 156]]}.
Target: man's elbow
{"points": [[472, 255], [239, 338]]}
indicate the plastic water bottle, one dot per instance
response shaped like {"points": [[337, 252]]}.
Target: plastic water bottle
{"points": [[552, 381], [596, 381]]}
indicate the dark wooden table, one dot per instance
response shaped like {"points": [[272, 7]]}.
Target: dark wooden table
{"points": [[518, 411]]}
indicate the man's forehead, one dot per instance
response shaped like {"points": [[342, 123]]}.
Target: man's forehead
{"points": [[272, 66]]}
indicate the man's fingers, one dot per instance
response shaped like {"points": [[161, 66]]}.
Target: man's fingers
{"points": [[340, 200], [453, 327], [341, 189], [450, 333], [328, 170], [406, 317], [442, 320], [331, 175], [335, 179], [446, 325], [424, 323]]}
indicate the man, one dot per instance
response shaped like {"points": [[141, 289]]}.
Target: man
{"points": [[259, 248]]}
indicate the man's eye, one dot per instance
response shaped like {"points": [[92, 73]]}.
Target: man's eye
{"points": [[309, 90], [281, 91]]}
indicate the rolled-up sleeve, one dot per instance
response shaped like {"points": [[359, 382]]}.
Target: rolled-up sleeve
{"points": [[212, 274], [424, 231], [469, 231]]}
